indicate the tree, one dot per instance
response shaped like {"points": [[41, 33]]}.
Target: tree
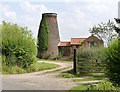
{"points": [[18, 45], [43, 36], [104, 31]]}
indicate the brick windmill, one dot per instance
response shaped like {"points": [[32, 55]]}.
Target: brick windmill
{"points": [[54, 38]]}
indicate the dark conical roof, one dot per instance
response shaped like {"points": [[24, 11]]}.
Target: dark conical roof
{"points": [[49, 14]]}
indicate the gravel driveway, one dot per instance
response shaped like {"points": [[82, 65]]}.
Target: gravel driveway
{"points": [[45, 81]]}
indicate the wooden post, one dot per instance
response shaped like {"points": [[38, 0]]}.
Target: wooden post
{"points": [[74, 63]]}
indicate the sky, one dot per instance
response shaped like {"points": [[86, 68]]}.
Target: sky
{"points": [[74, 17]]}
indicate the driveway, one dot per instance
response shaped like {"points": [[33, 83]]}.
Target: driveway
{"points": [[38, 80]]}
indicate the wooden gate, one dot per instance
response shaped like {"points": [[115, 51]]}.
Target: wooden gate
{"points": [[87, 65]]}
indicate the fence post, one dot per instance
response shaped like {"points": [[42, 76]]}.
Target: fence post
{"points": [[74, 63]]}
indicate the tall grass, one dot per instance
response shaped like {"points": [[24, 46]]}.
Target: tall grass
{"points": [[32, 68]]}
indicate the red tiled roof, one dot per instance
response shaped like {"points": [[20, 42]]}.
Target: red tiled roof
{"points": [[76, 41], [64, 44]]}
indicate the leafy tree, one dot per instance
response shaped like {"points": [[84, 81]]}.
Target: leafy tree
{"points": [[18, 46], [43, 36], [104, 31]]}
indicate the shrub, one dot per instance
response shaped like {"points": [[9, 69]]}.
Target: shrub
{"points": [[92, 53], [113, 61], [18, 46]]}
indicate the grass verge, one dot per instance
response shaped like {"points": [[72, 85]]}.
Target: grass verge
{"points": [[32, 68], [71, 62], [69, 74], [80, 87], [88, 79]]}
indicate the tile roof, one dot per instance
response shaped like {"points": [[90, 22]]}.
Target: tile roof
{"points": [[76, 41], [64, 44]]}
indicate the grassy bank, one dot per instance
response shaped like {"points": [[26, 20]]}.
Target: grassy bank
{"points": [[32, 68]]}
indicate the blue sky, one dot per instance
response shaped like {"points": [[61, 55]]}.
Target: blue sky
{"points": [[74, 18]]}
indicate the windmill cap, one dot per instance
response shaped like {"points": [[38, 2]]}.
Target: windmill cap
{"points": [[49, 14]]}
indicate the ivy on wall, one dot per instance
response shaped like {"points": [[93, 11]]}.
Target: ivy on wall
{"points": [[43, 36]]}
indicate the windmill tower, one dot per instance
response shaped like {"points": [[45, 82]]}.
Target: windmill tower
{"points": [[54, 38]]}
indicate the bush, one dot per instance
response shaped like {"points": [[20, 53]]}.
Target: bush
{"points": [[18, 45], [113, 61], [92, 53]]}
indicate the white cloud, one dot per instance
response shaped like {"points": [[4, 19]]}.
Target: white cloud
{"points": [[10, 14], [32, 16], [33, 8], [7, 14], [78, 21], [74, 21]]}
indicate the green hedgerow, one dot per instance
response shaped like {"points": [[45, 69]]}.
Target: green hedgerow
{"points": [[113, 61]]}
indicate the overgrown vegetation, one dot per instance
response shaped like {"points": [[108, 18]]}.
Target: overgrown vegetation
{"points": [[43, 37], [94, 87], [105, 86], [19, 51], [113, 61], [18, 46], [32, 68]]}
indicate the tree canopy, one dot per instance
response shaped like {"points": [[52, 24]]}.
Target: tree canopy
{"points": [[104, 31]]}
